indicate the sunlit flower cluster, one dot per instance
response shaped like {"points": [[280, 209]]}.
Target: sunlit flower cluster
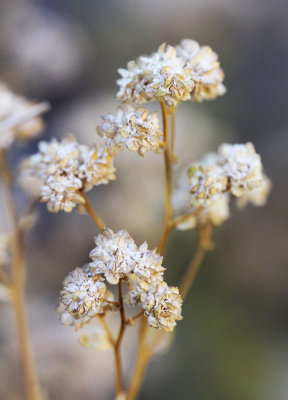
{"points": [[65, 169], [173, 74], [81, 297], [206, 72], [204, 192], [19, 118], [116, 257], [134, 129]]}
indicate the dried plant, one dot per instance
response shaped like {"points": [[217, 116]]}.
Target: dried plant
{"points": [[62, 172]]}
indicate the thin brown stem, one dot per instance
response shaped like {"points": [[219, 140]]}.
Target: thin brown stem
{"points": [[145, 354], [114, 303], [131, 320], [17, 286], [203, 245], [93, 213], [168, 184], [117, 347], [107, 329], [173, 135]]}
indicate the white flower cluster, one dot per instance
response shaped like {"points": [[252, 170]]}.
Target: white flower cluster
{"points": [[172, 74], [134, 129], [206, 72], [204, 193], [116, 256], [81, 297], [19, 118], [65, 169], [113, 255]]}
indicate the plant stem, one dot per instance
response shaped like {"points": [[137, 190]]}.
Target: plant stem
{"points": [[203, 244], [117, 346], [93, 213], [173, 134], [106, 328], [168, 183], [17, 286], [145, 354]]}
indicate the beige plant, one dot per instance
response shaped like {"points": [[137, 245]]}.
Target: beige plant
{"points": [[63, 172]]}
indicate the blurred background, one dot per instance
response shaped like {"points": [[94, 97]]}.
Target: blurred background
{"points": [[233, 340]]}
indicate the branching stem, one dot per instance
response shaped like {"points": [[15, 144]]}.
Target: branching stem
{"points": [[17, 286], [98, 221]]}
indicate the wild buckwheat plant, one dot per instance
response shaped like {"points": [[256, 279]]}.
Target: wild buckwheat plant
{"points": [[62, 172]]}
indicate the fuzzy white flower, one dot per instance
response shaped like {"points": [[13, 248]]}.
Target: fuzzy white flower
{"points": [[114, 255], [160, 76], [19, 118], [207, 181], [148, 270], [257, 196], [134, 129], [243, 167], [204, 191], [82, 296], [205, 70], [65, 169], [163, 306]]}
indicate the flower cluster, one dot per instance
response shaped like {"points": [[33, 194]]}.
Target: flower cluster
{"points": [[81, 297], [134, 129], [172, 74], [204, 192], [65, 169], [206, 72], [19, 118], [116, 257], [113, 255]]}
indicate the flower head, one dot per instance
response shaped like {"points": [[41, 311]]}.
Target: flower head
{"points": [[82, 296], [65, 169], [19, 118], [162, 305], [204, 192], [173, 74], [148, 271], [134, 129], [160, 76], [205, 70], [114, 255]]}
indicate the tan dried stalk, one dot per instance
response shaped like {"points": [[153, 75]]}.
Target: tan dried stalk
{"points": [[145, 352], [17, 286]]}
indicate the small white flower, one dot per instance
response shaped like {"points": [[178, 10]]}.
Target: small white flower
{"points": [[64, 169], [205, 70], [82, 296], [160, 76], [134, 129], [204, 192], [114, 255], [19, 118], [162, 305]]}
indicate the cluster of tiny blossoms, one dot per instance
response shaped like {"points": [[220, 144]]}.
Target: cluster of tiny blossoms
{"points": [[19, 118], [173, 74], [134, 129], [64, 170], [204, 192], [116, 257]]}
